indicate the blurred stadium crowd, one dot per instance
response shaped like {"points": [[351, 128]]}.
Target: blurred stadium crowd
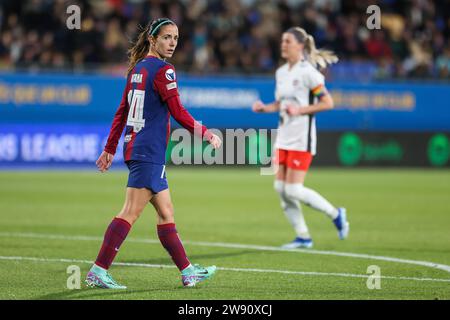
{"points": [[233, 36]]}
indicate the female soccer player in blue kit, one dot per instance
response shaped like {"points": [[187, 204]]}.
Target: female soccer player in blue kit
{"points": [[149, 99]]}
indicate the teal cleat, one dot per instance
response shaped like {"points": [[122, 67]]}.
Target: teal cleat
{"points": [[195, 274], [100, 278]]}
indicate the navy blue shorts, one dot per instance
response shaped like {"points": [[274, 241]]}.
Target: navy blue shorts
{"points": [[147, 175]]}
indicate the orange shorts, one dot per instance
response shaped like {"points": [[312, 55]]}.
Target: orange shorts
{"points": [[297, 160]]}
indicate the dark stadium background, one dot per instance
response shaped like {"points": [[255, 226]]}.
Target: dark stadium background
{"points": [[391, 86]]}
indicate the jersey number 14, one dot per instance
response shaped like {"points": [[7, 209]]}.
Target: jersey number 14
{"points": [[136, 113]]}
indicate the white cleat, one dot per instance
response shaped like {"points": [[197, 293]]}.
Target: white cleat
{"points": [[341, 223], [298, 243]]}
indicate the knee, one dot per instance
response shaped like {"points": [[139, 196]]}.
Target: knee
{"points": [[131, 212], [166, 213], [278, 185], [294, 191]]}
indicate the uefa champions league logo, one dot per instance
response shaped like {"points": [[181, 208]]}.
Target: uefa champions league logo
{"points": [[170, 75]]}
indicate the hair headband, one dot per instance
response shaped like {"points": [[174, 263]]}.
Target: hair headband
{"points": [[159, 25]]}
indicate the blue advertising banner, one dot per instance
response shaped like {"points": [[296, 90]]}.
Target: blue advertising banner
{"points": [[69, 146], [225, 102], [47, 145]]}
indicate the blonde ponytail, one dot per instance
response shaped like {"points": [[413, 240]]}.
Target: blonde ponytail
{"points": [[317, 57]]}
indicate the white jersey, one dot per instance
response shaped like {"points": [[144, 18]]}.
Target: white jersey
{"points": [[294, 87]]}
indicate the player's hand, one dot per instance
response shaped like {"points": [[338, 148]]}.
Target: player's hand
{"points": [[293, 110], [104, 161], [258, 106], [215, 141]]}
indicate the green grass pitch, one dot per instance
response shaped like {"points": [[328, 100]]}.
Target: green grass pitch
{"points": [[402, 214]]}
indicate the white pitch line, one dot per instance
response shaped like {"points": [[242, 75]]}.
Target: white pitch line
{"points": [[238, 246], [323, 252], [146, 265]]}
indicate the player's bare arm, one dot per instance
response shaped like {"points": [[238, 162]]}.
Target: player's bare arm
{"points": [[325, 103], [260, 107]]}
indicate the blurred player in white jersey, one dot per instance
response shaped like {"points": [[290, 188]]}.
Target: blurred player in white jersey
{"points": [[300, 94]]}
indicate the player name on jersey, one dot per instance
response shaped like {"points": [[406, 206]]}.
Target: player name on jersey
{"points": [[136, 78]]}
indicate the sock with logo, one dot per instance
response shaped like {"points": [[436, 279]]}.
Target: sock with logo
{"points": [[114, 236], [170, 240]]}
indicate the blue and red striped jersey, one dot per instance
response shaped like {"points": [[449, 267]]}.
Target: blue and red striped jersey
{"points": [[149, 99]]}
